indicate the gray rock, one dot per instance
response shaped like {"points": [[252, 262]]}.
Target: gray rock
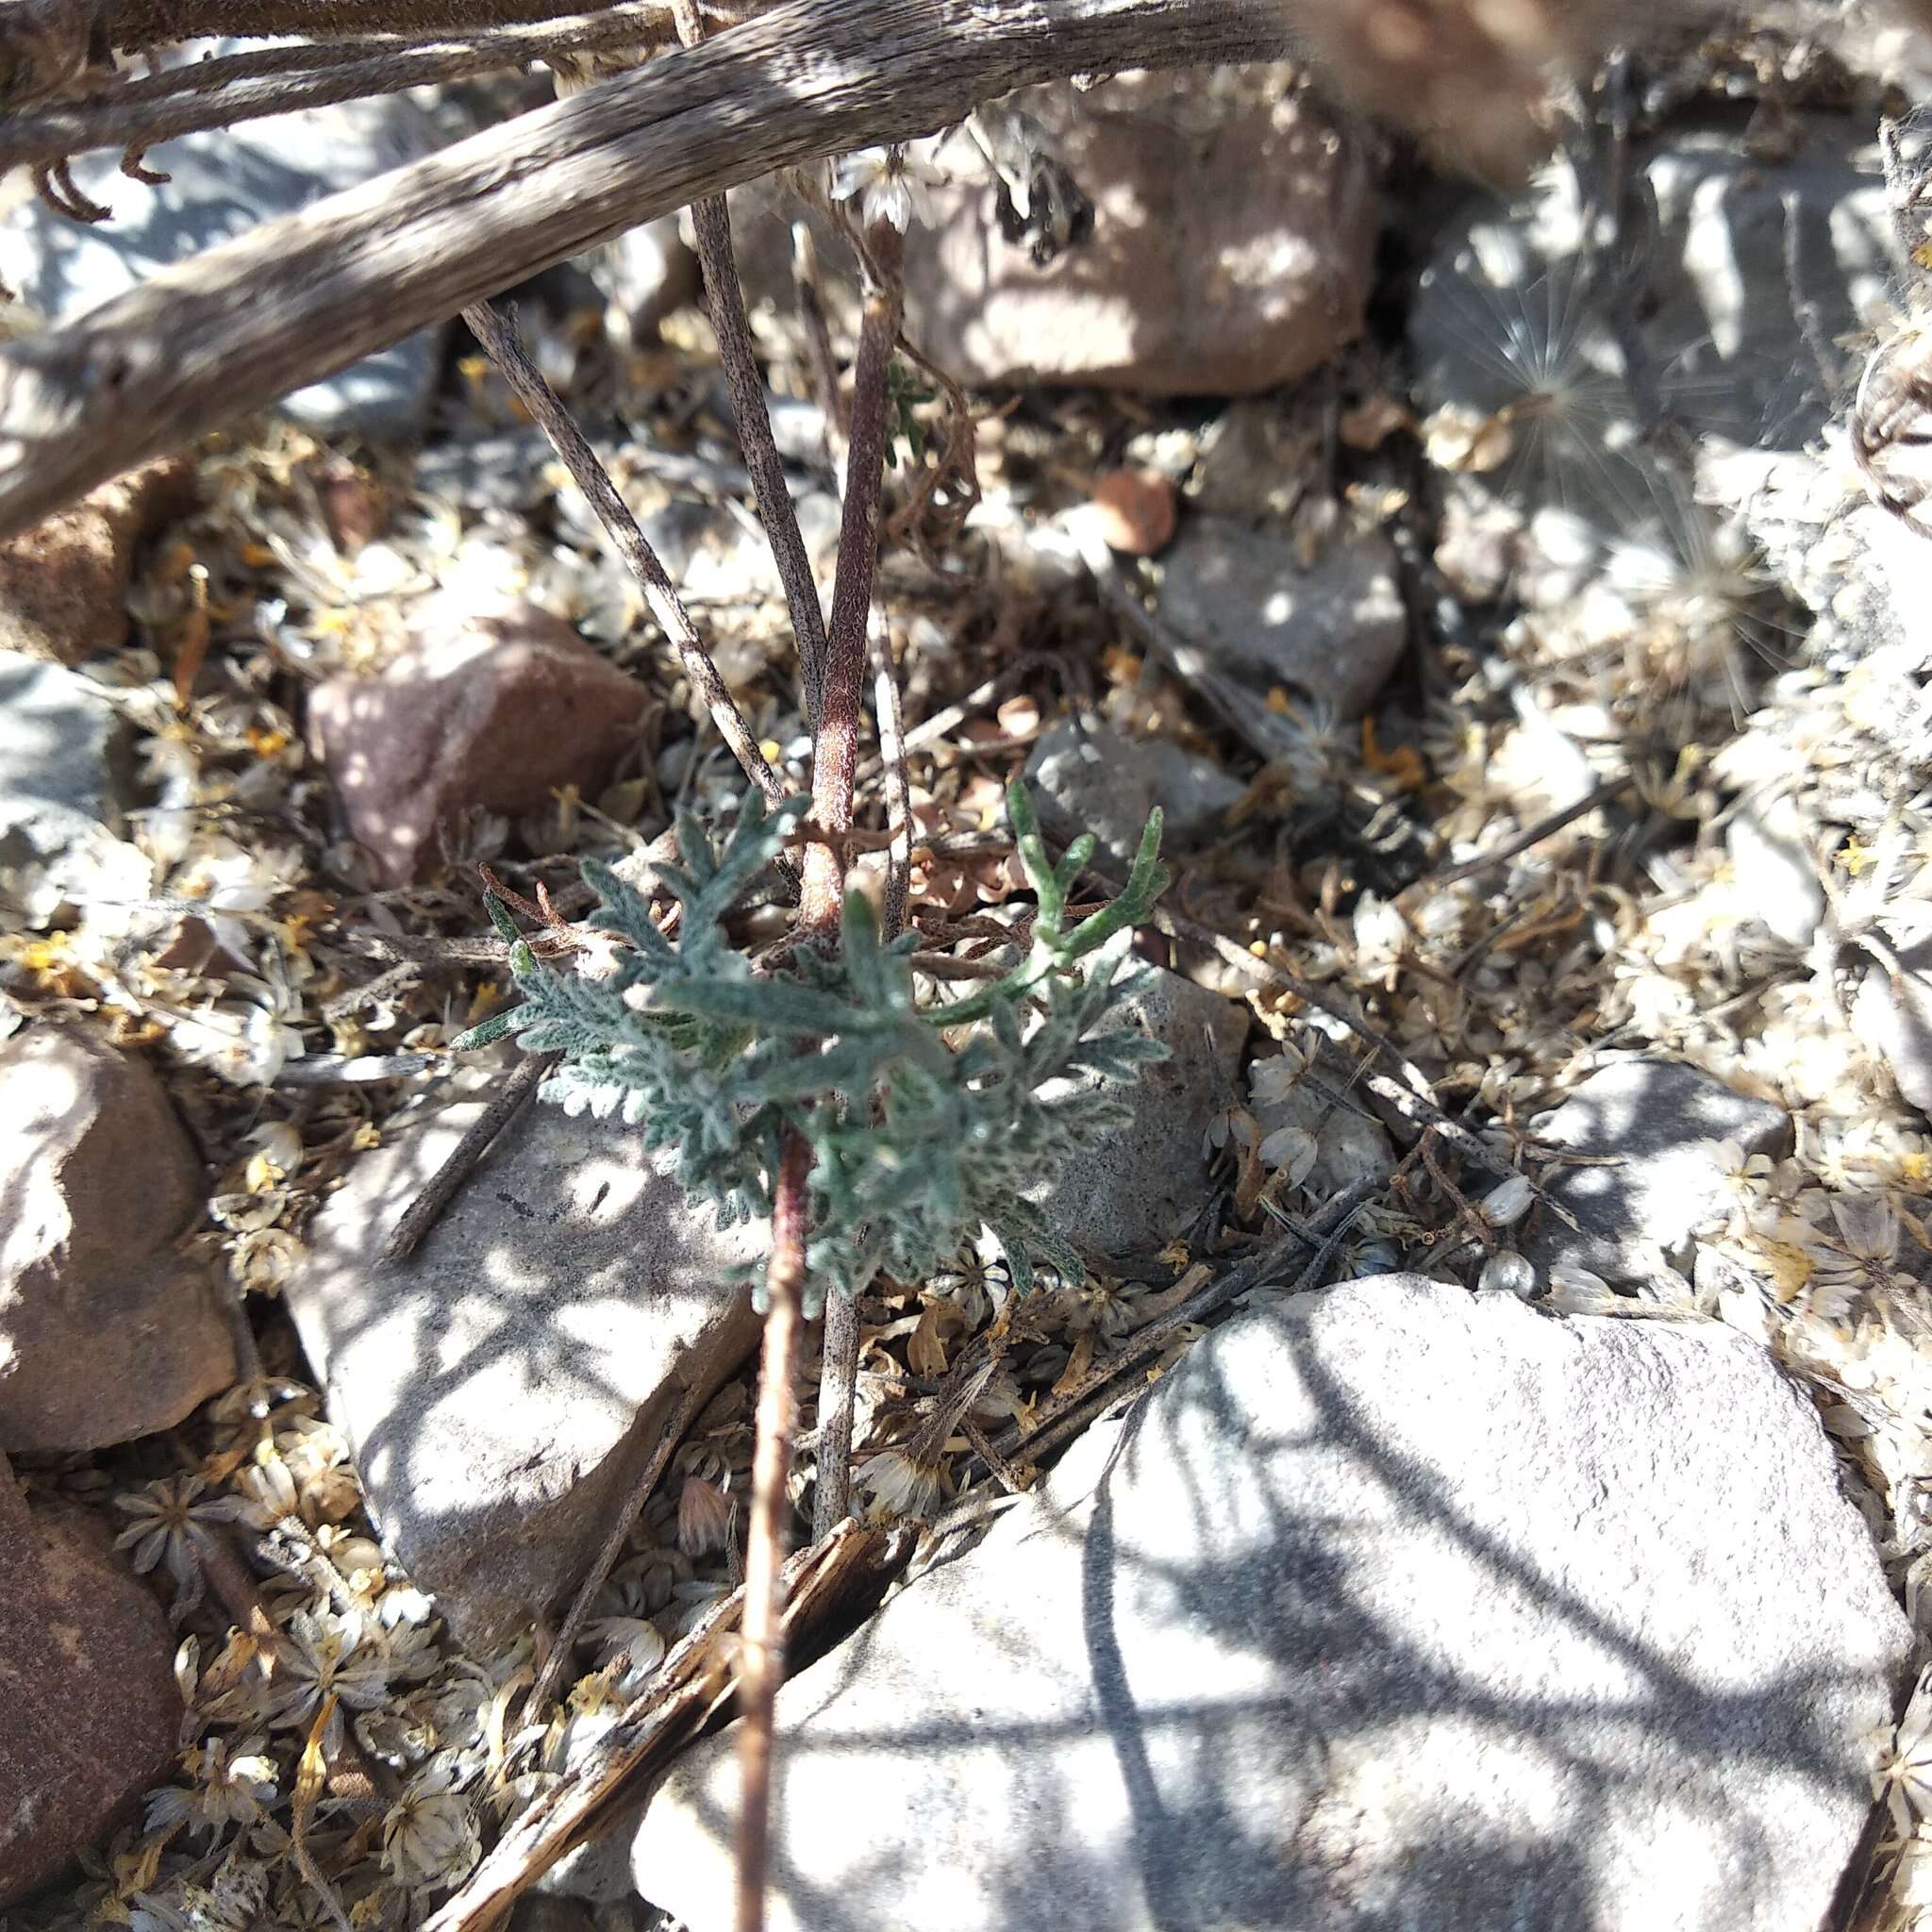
{"points": [[88, 1685], [63, 781], [223, 184], [1334, 632], [1091, 779], [1135, 1191], [1391, 1606], [500, 1390], [105, 1331], [1502, 318], [1660, 1121]]}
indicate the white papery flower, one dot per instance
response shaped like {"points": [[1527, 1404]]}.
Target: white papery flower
{"points": [[226, 884], [429, 1836], [889, 184]]}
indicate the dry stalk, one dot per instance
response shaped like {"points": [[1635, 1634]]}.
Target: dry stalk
{"points": [[712, 221], [499, 336]]}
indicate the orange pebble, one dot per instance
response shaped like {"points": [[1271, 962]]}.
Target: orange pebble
{"points": [[1137, 510]]}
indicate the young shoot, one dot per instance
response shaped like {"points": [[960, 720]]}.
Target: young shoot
{"points": [[918, 1137]]}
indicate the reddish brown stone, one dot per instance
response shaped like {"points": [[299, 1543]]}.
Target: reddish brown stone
{"points": [[355, 505], [1136, 512], [64, 583], [93, 1716], [107, 1332], [1234, 232], [493, 711]]}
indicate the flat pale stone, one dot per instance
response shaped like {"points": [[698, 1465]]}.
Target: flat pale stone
{"points": [[1392, 1605], [501, 1389]]}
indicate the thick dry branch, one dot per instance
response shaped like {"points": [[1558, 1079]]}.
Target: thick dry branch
{"points": [[275, 80], [294, 299]]}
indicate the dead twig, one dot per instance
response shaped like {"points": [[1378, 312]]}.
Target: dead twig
{"points": [[1530, 835], [1079, 1406], [822, 1586], [504, 1105], [234, 87], [711, 221], [498, 334], [1409, 1096], [837, 1396], [690, 1405], [225, 333]]}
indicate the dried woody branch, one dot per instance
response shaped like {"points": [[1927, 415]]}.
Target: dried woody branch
{"points": [[230, 331], [141, 112]]}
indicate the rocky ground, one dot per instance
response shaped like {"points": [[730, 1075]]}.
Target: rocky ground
{"points": [[1525, 669]]}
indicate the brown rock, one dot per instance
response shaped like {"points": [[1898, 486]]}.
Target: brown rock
{"points": [[1136, 512], [86, 1684], [1234, 227], [105, 1331], [491, 709], [62, 582]]}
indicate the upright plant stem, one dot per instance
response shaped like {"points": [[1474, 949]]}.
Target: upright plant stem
{"points": [[763, 1666], [836, 760]]}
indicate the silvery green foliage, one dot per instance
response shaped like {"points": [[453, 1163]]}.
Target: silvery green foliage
{"points": [[924, 1124]]}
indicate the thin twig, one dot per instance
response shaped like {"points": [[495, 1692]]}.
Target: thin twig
{"points": [[1074, 1408], [838, 1397], [818, 339], [498, 334], [688, 1406], [1530, 835], [762, 1669], [891, 723], [835, 762], [724, 296], [505, 1104]]}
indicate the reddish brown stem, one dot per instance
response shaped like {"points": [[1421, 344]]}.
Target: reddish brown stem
{"points": [[762, 1669], [835, 757]]}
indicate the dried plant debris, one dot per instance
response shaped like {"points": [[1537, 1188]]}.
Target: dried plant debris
{"points": [[1650, 794]]}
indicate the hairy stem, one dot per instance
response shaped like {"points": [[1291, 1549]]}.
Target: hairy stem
{"points": [[762, 1668], [499, 336], [835, 758]]}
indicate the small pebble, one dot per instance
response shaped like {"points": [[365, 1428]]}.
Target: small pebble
{"points": [[1136, 512]]}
